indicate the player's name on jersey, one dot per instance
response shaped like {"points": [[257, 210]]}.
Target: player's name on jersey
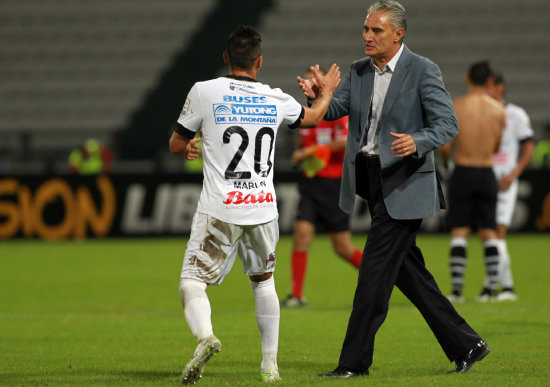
{"points": [[248, 184]]}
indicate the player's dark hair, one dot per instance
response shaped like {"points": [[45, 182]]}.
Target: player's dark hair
{"points": [[244, 46], [499, 79], [480, 72]]}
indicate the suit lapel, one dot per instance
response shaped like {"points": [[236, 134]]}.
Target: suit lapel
{"points": [[401, 70]]}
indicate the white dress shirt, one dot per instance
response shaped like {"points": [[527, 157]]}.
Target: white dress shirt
{"points": [[382, 79]]}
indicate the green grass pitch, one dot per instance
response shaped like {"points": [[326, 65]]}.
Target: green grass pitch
{"points": [[107, 312]]}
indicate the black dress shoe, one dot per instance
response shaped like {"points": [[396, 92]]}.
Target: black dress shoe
{"points": [[475, 354], [343, 372]]}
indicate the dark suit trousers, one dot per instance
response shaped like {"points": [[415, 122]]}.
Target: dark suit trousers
{"points": [[390, 258]]}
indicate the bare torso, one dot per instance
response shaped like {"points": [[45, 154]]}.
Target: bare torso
{"points": [[481, 120]]}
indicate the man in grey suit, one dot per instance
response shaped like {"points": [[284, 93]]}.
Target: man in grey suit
{"points": [[399, 112]]}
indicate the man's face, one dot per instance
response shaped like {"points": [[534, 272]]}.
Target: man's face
{"points": [[497, 91], [378, 35]]}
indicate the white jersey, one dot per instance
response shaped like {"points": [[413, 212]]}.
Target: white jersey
{"points": [[518, 128], [238, 119]]}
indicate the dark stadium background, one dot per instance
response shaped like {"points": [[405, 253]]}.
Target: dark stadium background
{"points": [[119, 72]]}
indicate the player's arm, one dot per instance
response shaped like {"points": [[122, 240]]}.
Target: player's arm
{"points": [[182, 143], [300, 155], [337, 145], [445, 152], [339, 140], [502, 125], [527, 148], [314, 115]]}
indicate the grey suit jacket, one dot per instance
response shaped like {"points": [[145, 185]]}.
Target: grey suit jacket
{"points": [[416, 103]]}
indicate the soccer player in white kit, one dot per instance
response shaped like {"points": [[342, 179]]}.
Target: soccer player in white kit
{"points": [[516, 150], [238, 118]]}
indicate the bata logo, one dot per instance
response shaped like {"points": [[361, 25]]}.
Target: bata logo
{"points": [[237, 197]]}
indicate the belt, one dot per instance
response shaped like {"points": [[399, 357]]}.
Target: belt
{"points": [[370, 160]]}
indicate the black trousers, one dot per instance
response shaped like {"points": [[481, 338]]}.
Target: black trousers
{"points": [[391, 258]]}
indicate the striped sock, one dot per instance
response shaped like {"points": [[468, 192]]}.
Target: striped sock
{"points": [[490, 248], [458, 263]]}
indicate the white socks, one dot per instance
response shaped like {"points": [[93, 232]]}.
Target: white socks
{"points": [[504, 269], [267, 316], [197, 313], [196, 307]]}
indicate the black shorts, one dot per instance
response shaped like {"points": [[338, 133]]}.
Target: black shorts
{"points": [[319, 204], [472, 198]]}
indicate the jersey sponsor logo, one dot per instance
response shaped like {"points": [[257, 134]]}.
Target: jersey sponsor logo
{"points": [[221, 109], [255, 110], [244, 99], [324, 135], [237, 197], [244, 113], [233, 85], [500, 158], [249, 110]]}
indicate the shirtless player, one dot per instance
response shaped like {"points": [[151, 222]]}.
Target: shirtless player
{"points": [[473, 187]]}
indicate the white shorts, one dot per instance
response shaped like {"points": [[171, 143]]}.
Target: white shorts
{"points": [[213, 245], [506, 202]]}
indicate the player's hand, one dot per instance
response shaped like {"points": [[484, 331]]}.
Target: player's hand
{"points": [[309, 87], [193, 150], [328, 82], [300, 154], [505, 182], [297, 156], [404, 145]]}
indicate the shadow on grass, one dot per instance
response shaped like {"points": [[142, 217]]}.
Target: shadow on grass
{"points": [[147, 375], [86, 376]]}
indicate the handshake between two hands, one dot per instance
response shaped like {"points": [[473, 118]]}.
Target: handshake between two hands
{"points": [[319, 82], [403, 145]]}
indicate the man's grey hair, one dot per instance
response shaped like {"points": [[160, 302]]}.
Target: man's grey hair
{"points": [[395, 9]]}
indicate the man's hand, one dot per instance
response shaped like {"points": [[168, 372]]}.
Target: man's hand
{"points": [[328, 82], [312, 87], [309, 87], [300, 154], [506, 181], [193, 150], [404, 145]]}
